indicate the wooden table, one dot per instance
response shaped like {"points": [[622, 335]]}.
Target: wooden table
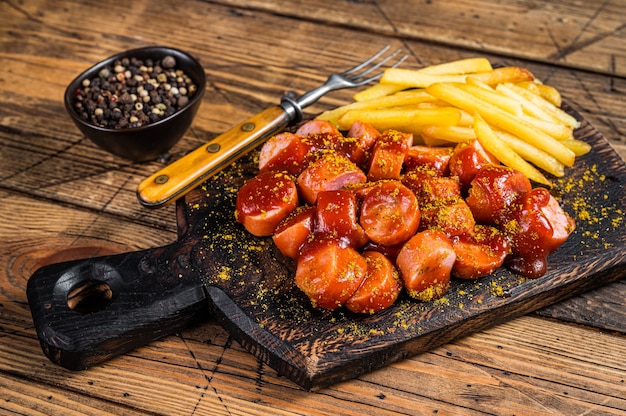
{"points": [[63, 198]]}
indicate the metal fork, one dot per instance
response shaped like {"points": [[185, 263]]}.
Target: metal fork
{"points": [[181, 176]]}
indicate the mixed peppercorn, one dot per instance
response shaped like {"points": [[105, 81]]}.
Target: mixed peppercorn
{"points": [[133, 93]]}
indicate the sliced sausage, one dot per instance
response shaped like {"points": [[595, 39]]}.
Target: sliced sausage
{"points": [[284, 152], [389, 213], [479, 253], [316, 127], [264, 201], [453, 218], [388, 154], [466, 159], [330, 172], [329, 273], [336, 217], [365, 133], [425, 263], [493, 190], [435, 159], [294, 230], [381, 286], [432, 189], [536, 225]]}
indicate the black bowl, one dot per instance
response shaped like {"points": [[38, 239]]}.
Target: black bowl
{"points": [[149, 141]]}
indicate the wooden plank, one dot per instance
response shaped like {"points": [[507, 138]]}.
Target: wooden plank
{"points": [[603, 308], [584, 35]]}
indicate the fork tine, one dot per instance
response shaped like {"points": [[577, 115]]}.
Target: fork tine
{"points": [[381, 63], [366, 62], [347, 79]]}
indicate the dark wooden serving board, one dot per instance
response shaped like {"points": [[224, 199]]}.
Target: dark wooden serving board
{"points": [[217, 269]]}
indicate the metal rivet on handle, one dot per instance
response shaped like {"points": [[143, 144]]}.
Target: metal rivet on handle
{"points": [[247, 126], [213, 148], [161, 179]]}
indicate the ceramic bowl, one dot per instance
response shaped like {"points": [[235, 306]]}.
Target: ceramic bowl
{"points": [[152, 139]]}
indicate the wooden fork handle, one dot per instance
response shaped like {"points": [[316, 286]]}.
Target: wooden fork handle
{"points": [[181, 176]]}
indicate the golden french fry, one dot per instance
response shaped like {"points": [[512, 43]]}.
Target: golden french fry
{"points": [[529, 106], [459, 67], [400, 119], [557, 130], [449, 134], [551, 94], [408, 78], [533, 155], [577, 146], [467, 120], [503, 120], [490, 141], [546, 91], [505, 74], [478, 83], [402, 98], [547, 106], [377, 91], [495, 97], [531, 86]]}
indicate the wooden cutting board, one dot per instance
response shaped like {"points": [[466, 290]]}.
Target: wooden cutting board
{"points": [[90, 310]]}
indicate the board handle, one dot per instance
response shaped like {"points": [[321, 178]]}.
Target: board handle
{"points": [[88, 311]]}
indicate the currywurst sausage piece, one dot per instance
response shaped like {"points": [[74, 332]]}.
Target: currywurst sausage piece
{"points": [[479, 253], [336, 217], [264, 201], [467, 158], [293, 231], [537, 225], [329, 273], [388, 154], [390, 213], [381, 286], [493, 190], [330, 172], [425, 263], [284, 152]]}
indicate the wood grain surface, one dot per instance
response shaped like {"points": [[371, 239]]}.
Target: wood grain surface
{"points": [[63, 198]]}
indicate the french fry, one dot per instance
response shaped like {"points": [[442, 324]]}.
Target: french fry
{"points": [[467, 120], [533, 155], [377, 91], [557, 130], [544, 105], [449, 134], [448, 71], [401, 118], [458, 67], [409, 78], [495, 97], [528, 105], [548, 92], [503, 120], [478, 83], [490, 141], [505, 74], [402, 98], [551, 94], [577, 146]]}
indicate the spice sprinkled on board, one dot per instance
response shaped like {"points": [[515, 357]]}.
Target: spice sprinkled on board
{"points": [[582, 195]]}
